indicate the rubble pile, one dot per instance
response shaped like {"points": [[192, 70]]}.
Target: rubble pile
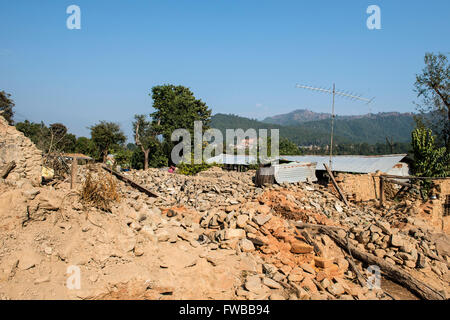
{"points": [[14, 146], [210, 236]]}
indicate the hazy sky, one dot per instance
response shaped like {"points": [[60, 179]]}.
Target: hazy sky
{"points": [[242, 57]]}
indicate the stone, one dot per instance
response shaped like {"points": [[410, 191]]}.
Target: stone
{"points": [[262, 219], [306, 267], [246, 245], [421, 261], [234, 233], [375, 229], [253, 284], [295, 277], [322, 262], [241, 220], [271, 283], [269, 269], [396, 240], [326, 283], [309, 285], [278, 276], [336, 289], [380, 253], [301, 248]]}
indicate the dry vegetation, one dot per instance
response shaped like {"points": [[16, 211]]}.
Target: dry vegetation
{"points": [[99, 190]]}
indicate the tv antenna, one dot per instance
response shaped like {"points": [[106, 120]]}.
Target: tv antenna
{"points": [[349, 95]]}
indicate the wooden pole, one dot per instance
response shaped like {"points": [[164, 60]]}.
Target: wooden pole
{"points": [[381, 191], [336, 185], [73, 173]]}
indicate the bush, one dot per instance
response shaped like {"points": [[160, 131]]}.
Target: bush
{"points": [[191, 169], [429, 160], [100, 191]]}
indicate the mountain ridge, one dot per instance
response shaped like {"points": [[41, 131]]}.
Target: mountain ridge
{"points": [[356, 129], [300, 116]]}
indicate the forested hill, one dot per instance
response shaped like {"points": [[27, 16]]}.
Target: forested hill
{"points": [[374, 128]]}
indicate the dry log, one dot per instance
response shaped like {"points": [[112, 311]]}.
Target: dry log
{"points": [[131, 182], [392, 272], [311, 242], [302, 225], [8, 169], [336, 185]]}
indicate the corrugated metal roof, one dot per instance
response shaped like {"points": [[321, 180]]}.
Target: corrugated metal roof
{"points": [[355, 164], [232, 159], [295, 172]]}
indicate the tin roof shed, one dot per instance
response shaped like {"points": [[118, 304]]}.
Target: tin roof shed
{"points": [[354, 164]]}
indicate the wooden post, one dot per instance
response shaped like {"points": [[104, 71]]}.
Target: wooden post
{"points": [[381, 191], [73, 173], [336, 185]]}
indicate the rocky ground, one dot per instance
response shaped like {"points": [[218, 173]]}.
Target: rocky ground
{"points": [[211, 236]]}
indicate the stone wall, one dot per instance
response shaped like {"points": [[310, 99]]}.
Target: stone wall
{"points": [[15, 146], [359, 187]]}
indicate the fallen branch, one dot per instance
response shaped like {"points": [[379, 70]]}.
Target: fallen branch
{"points": [[311, 242], [336, 185], [131, 182], [302, 225]]}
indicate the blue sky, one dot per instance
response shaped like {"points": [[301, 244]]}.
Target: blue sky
{"points": [[242, 57]]}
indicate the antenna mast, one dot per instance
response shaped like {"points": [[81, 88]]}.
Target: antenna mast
{"points": [[335, 93]]}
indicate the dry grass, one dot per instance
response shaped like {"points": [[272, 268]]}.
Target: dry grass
{"points": [[100, 191]]}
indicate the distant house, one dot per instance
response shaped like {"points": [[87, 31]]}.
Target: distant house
{"points": [[395, 164]]}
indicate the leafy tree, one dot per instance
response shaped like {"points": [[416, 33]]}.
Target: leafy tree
{"points": [[433, 87], [69, 143], [429, 160], [144, 137], [87, 147], [288, 148], [31, 130], [156, 159], [105, 136], [48, 139], [131, 146], [6, 107], [57, 132], [176, 108], [123, 157]]}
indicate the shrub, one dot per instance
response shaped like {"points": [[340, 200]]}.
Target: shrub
{"points": [[100, 191]]}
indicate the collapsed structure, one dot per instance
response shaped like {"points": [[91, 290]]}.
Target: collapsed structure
{"points": [[211, 236]]}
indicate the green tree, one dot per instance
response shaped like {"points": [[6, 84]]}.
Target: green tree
{"points": [[288, 148], [31, 130], [176, 108], [145, 137], [87, 147], [6, 107], [105, 136], [429, 160], [433, 87]]}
